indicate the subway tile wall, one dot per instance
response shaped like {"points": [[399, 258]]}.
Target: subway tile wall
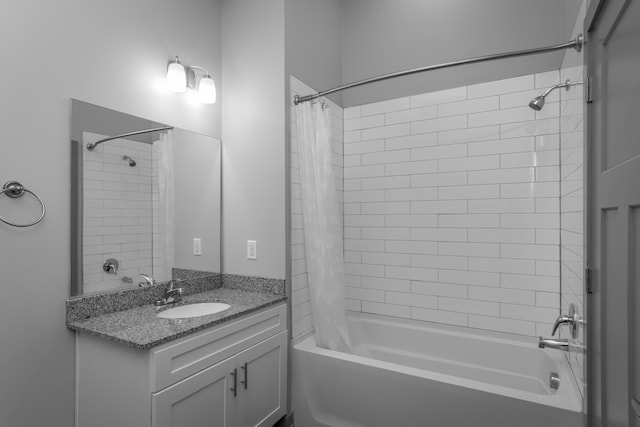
{"points": [[451, 206], [302, 319], [117, 212]]}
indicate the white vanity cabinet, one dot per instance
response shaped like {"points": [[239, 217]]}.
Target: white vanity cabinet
{"points": [[233, 374]]}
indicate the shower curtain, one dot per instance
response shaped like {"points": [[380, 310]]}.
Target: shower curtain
{"points": [[322, 229], [163, 205]]}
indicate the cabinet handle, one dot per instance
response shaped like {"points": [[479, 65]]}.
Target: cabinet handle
{"points": [[246, 375], [234, 389]]}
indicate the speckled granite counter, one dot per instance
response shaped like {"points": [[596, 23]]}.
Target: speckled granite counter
{"points": [[139, 327]]}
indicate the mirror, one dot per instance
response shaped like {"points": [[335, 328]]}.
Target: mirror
{"points": [[147, 203]]}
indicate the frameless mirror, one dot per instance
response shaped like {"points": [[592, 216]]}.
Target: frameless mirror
{"points": [[143, 204]]}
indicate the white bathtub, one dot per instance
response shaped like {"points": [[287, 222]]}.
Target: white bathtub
{"points": [[420, 374]]}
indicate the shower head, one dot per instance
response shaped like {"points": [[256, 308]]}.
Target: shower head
{"points": [[538, 102], [132, 162]]}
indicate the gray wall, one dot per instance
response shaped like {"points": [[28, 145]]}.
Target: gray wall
{"points": [[382, 36], [112, 54], [253, 136]]}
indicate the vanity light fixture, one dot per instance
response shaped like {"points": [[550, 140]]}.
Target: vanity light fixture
{"points": [[181, 77]]}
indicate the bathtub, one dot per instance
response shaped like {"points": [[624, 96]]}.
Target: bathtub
{"points": [[416, 374]]}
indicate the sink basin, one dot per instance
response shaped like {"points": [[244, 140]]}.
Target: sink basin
{"points": [[193, 310]]}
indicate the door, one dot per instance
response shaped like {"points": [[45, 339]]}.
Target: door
{"points": [[613, 61], [205, 399], [262, 382]]}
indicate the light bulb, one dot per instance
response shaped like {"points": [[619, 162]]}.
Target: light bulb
{"points": [[207, 90], [176, 76]]}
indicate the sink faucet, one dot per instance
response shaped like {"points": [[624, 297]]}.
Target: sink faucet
{"points": [[148, 281], [171, 295]]}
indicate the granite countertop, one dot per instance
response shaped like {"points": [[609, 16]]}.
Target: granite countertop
{"points": [[139, 327]]}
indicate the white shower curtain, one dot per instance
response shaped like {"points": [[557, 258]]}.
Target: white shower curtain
{"points": [[163, 155], [322, 229]]}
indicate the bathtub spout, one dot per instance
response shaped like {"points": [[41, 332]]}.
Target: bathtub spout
{"points": [[560, 344]]}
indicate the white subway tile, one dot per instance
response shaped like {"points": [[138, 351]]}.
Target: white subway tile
{"points": [[364, 294], [386, 284], [439, 207], [439, 152], [386, 309], [469, 163], [411, 247], [412, 168], [514, 145], [364, 171], [548, 205], [364, 147], [548, 237], [352, 136], [467, 107], [498, 87], [386, 106], [439, 289], [437, 261], [538, 158], [386, 131], [473, 278], [412, 115], [411, 273], [411, 300], [516, 235], [485, 133], [469, 220], [469, 192], [530, 313], [543, 252], [532, 189], [469, 249], [439, 234], [497, 117], [438, 125], [502, 206], [511, 326], [534, 283], [411, 141], [352, 112], [548, 299], [513, 296], [439, 179], [469, 306], [386, 258], [384, 183], [547, 142], [502, 265], [364, 122], [386, 233], [364, 245], [542, 220], [548, 173], [364, 220], [438, 316], [364, 269], [547, 79], [531, 128], [409, 194], [500, 176], [352, 184], [384, 157], [411, 220], [439, 97], [548, 268], [351, 305], [386, 208], [364, 196]]}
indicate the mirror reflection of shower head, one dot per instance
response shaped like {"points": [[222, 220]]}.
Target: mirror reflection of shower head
{"points": [[538, 102], [132, 162]]}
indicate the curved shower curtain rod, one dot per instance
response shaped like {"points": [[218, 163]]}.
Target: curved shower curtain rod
{"points": [[575, 44], [92, 145]]}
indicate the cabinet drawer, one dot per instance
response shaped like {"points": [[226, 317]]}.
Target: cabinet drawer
{"points": [[176, 361]]}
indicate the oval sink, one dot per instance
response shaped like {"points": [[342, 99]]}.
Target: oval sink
{"points": [[193, 310]]}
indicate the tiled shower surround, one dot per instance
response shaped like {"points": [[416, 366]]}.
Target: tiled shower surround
{"points": [[451, 208]]}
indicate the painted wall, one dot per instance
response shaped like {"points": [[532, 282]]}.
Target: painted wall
{"points": [[381, 37], [112, 54], [253, 137]]}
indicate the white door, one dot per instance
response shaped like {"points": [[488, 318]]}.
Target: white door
{"points": [[613, 52], [205, 399], [262, 382]]}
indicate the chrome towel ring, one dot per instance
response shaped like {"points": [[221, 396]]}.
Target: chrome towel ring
{"points": [[15, 190]]}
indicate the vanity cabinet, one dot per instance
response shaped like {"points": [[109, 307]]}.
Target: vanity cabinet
{"points": [[229, 375]]}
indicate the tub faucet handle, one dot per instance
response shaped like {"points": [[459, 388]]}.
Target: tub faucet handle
{"points": [[572, 319]]}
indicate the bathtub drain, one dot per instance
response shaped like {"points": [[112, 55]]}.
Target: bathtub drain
{"points": [[554, 380]]}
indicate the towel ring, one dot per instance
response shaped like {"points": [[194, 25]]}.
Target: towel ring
{"points": [[15, 190]]}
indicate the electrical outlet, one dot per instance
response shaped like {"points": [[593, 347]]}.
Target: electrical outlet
{"points": [[252, 249], [197, 246]]}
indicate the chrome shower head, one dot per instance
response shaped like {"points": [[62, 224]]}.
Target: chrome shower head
{"points": [[132, 162], [538, 102]]}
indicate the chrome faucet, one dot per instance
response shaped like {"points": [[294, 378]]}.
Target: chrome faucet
{"points": [[573, 320], [171, 295], [560, 344], [148, 281]]}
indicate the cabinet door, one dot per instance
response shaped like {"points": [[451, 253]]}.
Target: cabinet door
{"points": [[262, 374], [205, 399]]}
